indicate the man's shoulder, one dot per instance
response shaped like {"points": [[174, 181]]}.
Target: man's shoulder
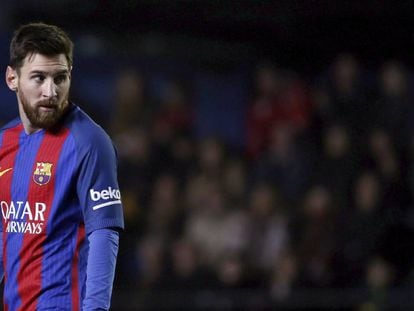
{"points": [[85, 130], [11, 124]]}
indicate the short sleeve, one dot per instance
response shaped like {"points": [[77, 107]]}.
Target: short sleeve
{"points": [[97, 186]]}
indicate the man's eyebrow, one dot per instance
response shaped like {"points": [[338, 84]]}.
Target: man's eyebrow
{"points": [[64, 71], [38, 72]]}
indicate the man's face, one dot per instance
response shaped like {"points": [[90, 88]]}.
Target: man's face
{"points": [[42, 87]]}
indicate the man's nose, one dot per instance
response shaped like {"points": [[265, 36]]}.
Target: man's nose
{"points": [[49, 88]]}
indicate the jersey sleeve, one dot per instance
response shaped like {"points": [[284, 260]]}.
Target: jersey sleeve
{"points": [[103, 249], [97, 186]]}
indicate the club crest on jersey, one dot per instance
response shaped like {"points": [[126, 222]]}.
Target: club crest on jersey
{"points": [[42, 173]]}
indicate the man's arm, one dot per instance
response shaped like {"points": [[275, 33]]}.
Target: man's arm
{"points": [[100, 271]]}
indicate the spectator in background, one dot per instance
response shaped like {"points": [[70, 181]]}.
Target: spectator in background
{"points": [[361, 230], [336, 166], [377, 283], [182, 158], [196, 192], [269, 83], [171, 130], [232, 275], [130, 127], [150, 261], [280, 98], [382, 156], [136, 160], [211, 156], [314, 237], [186, 270], [215, 229], [234, 181], [173, 117], [285, 277], [267, 229], [133, 108], [394, 102], [164, 216], [343, 97], [286, 164]]}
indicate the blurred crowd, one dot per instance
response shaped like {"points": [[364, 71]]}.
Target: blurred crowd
{"points": [[320, 196]]}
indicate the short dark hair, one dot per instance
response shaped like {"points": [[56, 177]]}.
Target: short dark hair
{"points": [[39, 38]]}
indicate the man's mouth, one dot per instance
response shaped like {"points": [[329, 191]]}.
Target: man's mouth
{"points": [[47, 107]]}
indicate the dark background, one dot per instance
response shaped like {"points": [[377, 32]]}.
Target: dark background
{"points": [[215, 46], [302, 34]]}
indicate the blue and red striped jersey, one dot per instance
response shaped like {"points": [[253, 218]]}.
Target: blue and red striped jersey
{"points": [[55, 188]]}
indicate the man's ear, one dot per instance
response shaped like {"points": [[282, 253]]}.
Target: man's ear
{"points": [[11, 78]]}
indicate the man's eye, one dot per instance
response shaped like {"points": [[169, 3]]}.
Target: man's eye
{"points": [[60, 79], [39, 78]]}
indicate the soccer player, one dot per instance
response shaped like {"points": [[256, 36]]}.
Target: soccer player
{"points": [[59, 197]]}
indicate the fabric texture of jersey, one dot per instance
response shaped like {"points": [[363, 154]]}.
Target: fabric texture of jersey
{"points": [[56, 187]]}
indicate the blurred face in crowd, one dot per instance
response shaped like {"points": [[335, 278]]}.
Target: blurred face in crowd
{"points": [[336, 141], [211, 154], [268, 81], [184, 258], [317, 202], [174, 96], [234, 179], [42, 86], [262, 200], [282, 141], [165, 190], [379, 273], [393, 79], [129, 89], [380, 142], [367, 192], [345, 72]]}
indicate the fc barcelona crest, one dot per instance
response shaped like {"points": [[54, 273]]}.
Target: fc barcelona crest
{"points": [[42, 173]]}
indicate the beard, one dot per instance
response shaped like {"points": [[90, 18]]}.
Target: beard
{"points": [[40, 118]]}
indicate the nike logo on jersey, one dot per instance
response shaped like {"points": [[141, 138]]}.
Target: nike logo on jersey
{"points": [[5, 171]]}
